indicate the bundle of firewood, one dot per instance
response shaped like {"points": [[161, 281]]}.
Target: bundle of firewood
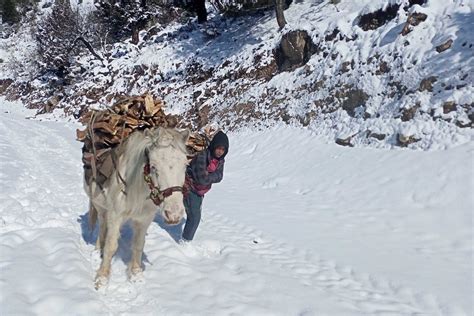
{"points": [[114, 124], [108, 128]]}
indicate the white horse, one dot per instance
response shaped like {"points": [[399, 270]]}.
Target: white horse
{"points": [[149, 176]]}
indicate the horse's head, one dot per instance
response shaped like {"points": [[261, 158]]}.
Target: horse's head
{"points": [[167, 166]]}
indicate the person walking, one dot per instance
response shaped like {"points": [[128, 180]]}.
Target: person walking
{"points": [[205, 169]]}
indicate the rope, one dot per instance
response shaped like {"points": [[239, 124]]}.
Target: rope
{"points": [[90, 130], [119, 147]]}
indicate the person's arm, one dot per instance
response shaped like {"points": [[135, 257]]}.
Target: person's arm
{"points": [[219, 173], [200, 174]]}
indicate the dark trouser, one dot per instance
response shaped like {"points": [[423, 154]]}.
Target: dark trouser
{"points": [[192, 203]]}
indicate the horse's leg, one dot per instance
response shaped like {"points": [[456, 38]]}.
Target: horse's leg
{"points": [[102, 233], [110, 247], [93, 217], [139, 231]]}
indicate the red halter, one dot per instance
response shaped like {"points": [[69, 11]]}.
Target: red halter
{"points": [[157, 195]]}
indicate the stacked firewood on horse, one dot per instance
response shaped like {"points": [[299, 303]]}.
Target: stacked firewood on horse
{"points": [[107, 129]]}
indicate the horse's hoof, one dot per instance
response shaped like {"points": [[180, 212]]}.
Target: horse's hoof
{"points": [[137, 278], [135, 271], [100, 281]]}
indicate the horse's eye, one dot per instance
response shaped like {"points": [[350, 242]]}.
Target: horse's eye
{"points": [[153, 168]]}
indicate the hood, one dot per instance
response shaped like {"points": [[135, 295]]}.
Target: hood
{"points": [[220, 139]]}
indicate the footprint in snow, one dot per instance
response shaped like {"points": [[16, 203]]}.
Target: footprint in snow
{"points": [[206, 248]]}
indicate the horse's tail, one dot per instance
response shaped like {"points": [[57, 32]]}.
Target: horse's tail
{"points": [[92, 216]]}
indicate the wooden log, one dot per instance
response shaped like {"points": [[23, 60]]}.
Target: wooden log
{"points": [[122, 107], [85, 118], [149, 105], [123, 133], [114, 140], [105, 127], [131, 122], [81, 135], [115, 119], [100, 154]]}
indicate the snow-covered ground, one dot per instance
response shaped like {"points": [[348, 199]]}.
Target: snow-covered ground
{"points": [[297, 227]]}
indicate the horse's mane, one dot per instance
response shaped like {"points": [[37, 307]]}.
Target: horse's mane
{"points": [[134, 158]]}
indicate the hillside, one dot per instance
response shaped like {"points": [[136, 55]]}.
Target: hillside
{"points": [[370, 73]]}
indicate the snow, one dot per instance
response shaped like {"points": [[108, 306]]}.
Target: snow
{"points": [[297, 227]]}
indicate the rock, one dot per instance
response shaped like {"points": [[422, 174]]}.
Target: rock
{"points": [[405, 140], [295, 49], [344, 141], [409, 113], [376, 135], [413, 20], [427, 84], [53, 101], [461, 124], [332, 36], [449, 106], [50, 105], [203, 116], [265, 72], [352, 99], [4, 84], [346, 66], [418, 2], [307, 118], [441, 48], [397, 89], [151, 32], [196, 94], [138, 71], [374, 20], [196, 73], [383, 68], [286, 118]]}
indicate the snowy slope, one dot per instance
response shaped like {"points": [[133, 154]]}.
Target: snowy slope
{"points": [[371, 86], [296, 228]]}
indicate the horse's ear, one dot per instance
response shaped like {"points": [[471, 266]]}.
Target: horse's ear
{"points": [[153, 133], [185, 135], [147, 133]]}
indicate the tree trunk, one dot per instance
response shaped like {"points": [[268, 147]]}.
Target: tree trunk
{"points": [[135, 35], [279, 7]]}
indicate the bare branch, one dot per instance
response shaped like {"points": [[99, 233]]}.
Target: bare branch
{"points": [[88, 46]]}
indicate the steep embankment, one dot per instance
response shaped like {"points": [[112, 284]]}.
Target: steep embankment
{"points": [[367, 73]]}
